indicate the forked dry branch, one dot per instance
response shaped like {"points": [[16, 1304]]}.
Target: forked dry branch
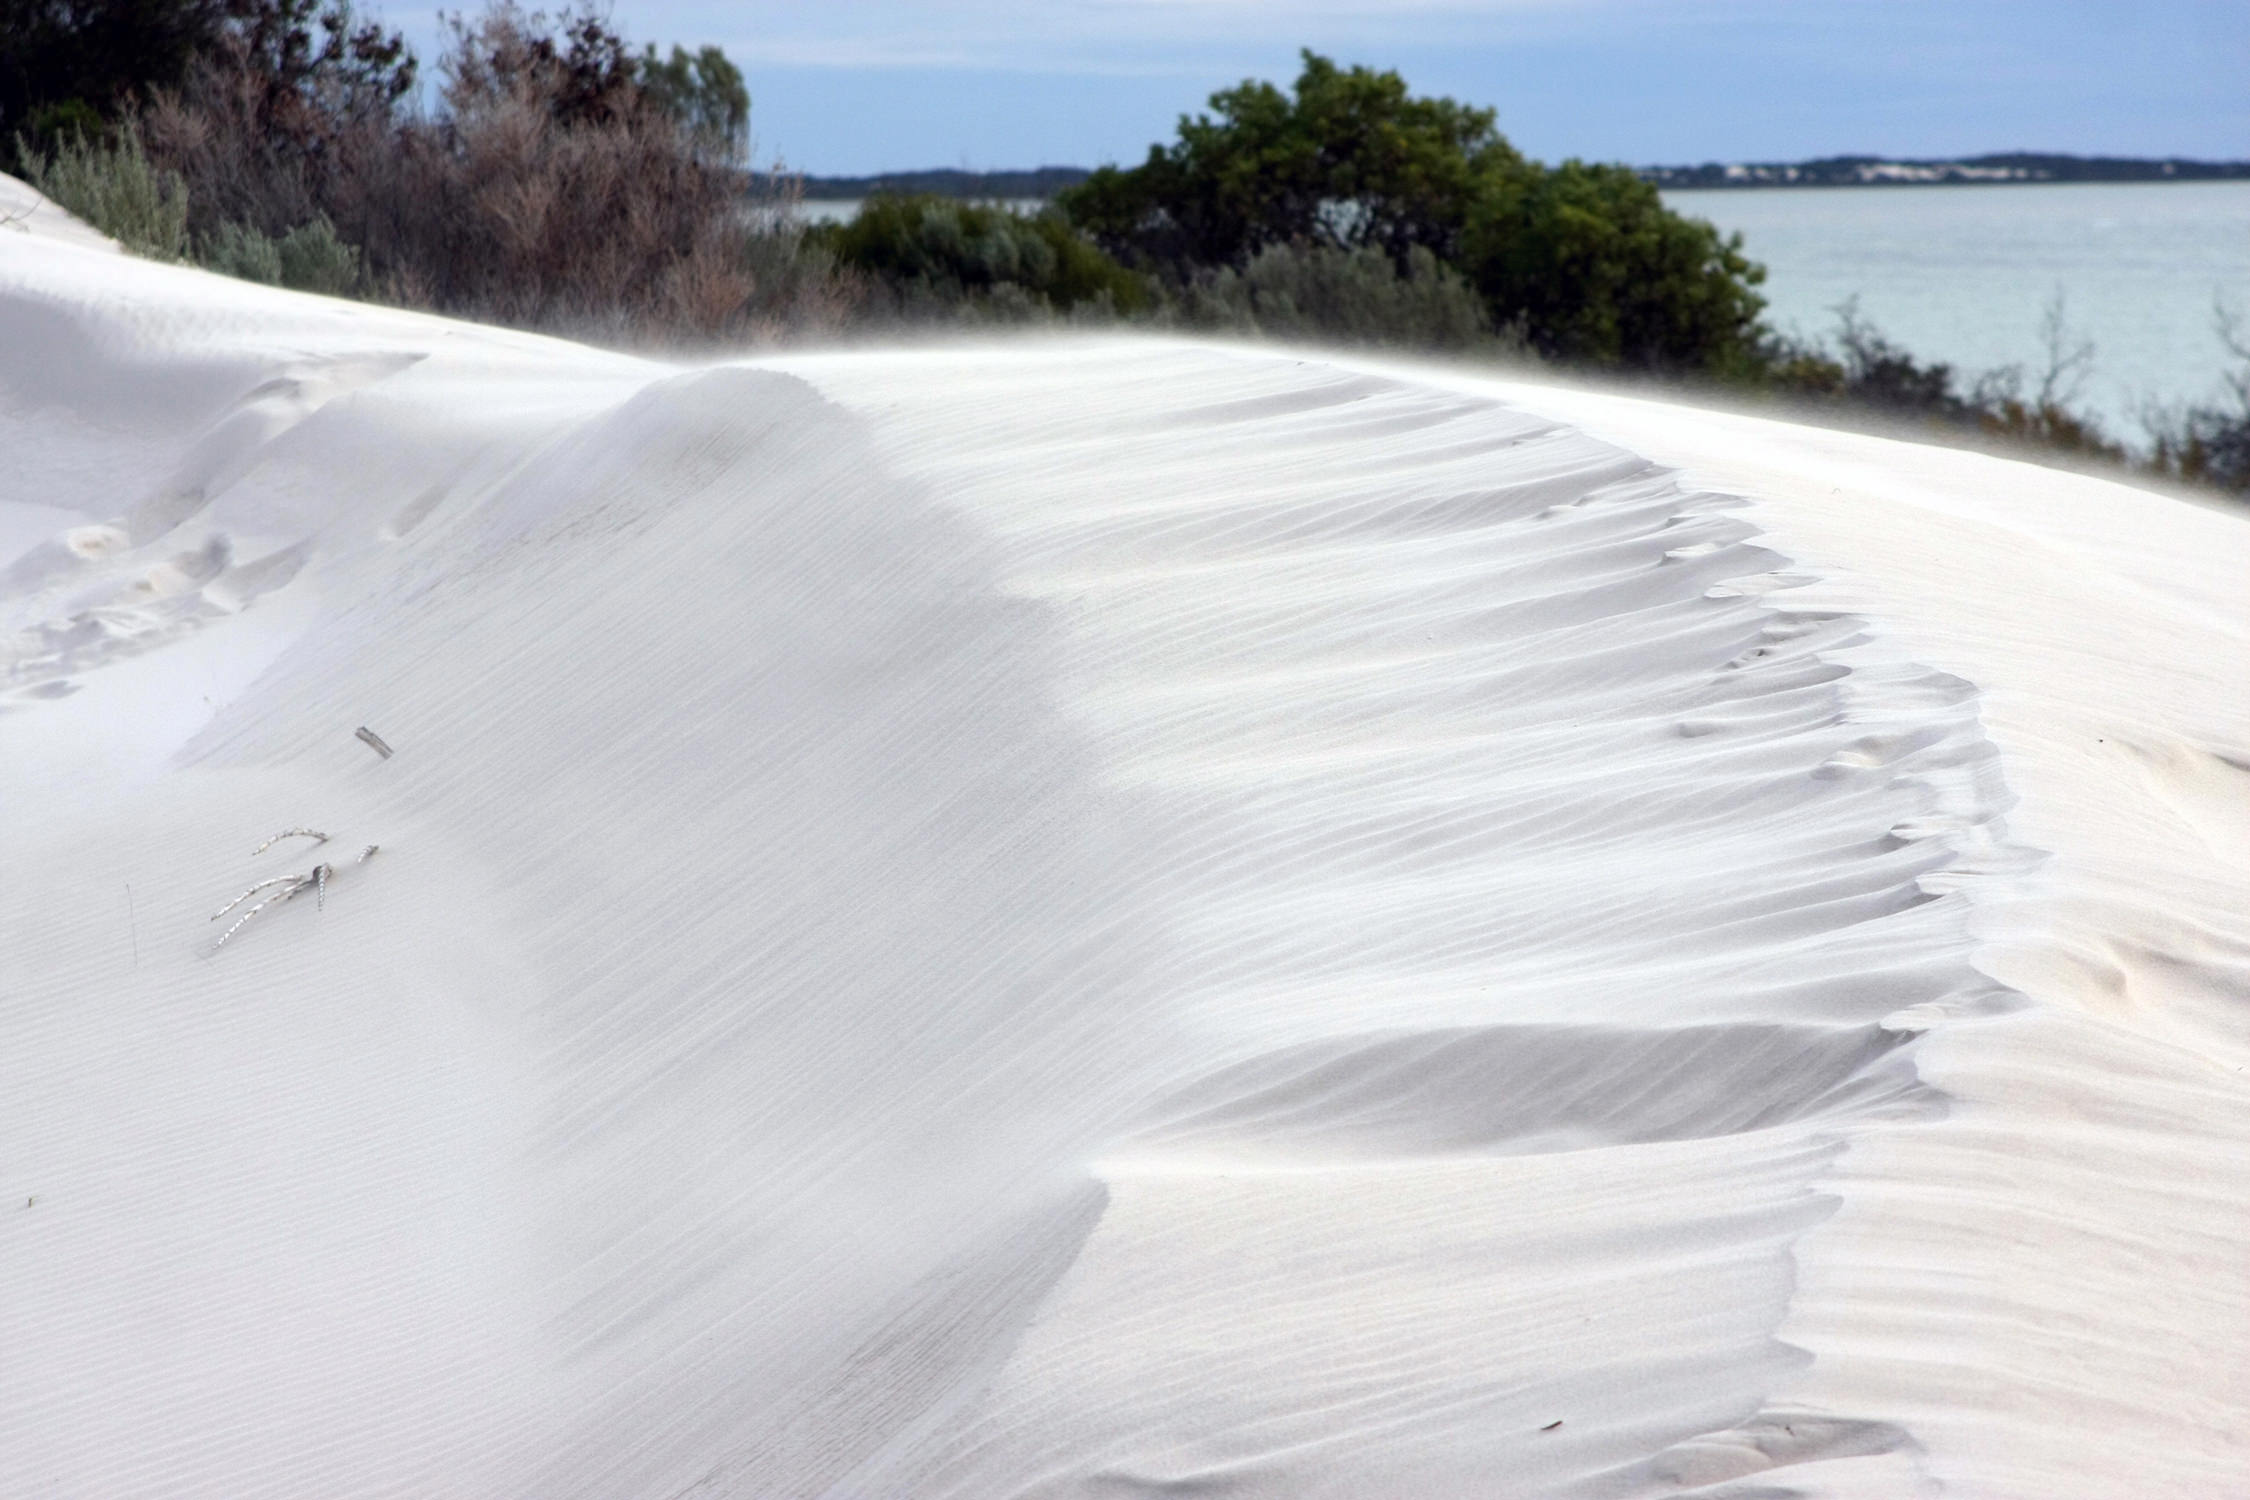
{"points": [[286, 887]]}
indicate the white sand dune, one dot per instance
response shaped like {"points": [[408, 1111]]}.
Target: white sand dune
{"points": [[1094, 917]]}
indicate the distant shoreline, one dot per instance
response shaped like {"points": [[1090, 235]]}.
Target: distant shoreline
{"points": [[1834, 171], [1970, 171], [947, 182]]}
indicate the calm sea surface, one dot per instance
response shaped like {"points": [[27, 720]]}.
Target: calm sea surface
{"points": [[1961, 273]]}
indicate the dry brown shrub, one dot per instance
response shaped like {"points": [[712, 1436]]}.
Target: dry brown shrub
{"points": [[550, 191]]}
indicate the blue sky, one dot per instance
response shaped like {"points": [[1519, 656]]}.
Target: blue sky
{"points": [[854, 86]]}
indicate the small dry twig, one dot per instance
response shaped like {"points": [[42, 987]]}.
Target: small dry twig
{"points": [[374, 741], [286, 887], [246, 895], [291, 886]]}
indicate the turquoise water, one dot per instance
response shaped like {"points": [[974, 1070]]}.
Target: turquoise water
{"points": [[1962, 273]]}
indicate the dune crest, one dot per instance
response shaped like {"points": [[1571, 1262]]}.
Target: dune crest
{"points": [[1099, 917]]}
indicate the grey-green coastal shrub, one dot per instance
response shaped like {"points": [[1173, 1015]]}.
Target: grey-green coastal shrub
{"points": [[315, 259], [1362, 296], [931, 253], [242, 250], [112, 185], [309, 258]]}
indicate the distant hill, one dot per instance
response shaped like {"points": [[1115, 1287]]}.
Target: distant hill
{"points": [[1877, 171], [1830, 171], [1038, 182]]}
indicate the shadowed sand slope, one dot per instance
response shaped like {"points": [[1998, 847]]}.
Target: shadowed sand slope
{"points": [[1075, 919]]}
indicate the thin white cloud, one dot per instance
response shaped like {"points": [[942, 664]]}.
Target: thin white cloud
{"points": [[1130, 37]]}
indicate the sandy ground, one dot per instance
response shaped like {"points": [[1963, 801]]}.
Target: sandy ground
{"points": [[1093, 918]]}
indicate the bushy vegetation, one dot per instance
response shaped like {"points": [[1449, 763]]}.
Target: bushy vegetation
{"points": [[2209, 442], [309, 258], [1585, 261], [1324, 294], [933, 260], [704, 93], [555, 190], [1859, 377], [111, 184], [1598, 272], [1349, 159], [67, 67], [1866, 375], [560, 179], [939, 253]]}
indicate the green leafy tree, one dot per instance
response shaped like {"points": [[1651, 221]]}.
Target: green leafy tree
{"points": [[1601, 272], [1586, 261], [1348, 159], [704, 93], [68, 65]]}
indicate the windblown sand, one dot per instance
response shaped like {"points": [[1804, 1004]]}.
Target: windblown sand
{"points": [[1090, 918]]}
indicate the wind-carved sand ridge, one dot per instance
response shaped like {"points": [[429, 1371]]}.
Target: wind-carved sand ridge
{"points": [[1092, 918], [1531, 827]]}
